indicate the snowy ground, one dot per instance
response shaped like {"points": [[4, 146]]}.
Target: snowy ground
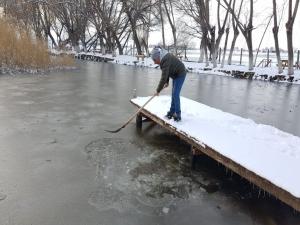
{"points": [[260, 73], [262, 149]]}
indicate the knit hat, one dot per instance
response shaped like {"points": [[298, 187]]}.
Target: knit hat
{"points": [[155, 53], [158, 53]]}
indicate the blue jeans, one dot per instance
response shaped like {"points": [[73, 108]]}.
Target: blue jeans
{"points": [[176, 88]]}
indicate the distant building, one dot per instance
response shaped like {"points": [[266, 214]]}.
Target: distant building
{"points": [[272, 49]]}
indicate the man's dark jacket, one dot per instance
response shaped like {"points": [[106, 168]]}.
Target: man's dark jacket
{"points": [[170, 67]]}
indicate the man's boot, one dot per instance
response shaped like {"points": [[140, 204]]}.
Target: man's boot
{"points": [[177, 117], [169, 115]]}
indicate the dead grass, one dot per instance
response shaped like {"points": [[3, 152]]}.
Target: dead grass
{"points": [[20, 50], [63, 61]]}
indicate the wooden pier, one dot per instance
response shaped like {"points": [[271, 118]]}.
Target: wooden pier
{"points": [[197, 146], [93, 57]]}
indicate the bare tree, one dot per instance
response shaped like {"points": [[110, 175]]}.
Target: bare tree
{"points": [[235, 31], [208, 31], [225, 47], [4, 4], [137, 12], [94, 15], [111, 23], [184, 39], [289, 34], [46, 19], [196, 27], [221, 30], [168, 4], [20, 12], [198, 10], [73, 18], [153, 19], [34, 15], [162, 23], [262, 38], [246, 29], [275, 34]]}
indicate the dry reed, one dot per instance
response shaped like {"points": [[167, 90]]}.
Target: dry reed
{"points": [[19, 49]]}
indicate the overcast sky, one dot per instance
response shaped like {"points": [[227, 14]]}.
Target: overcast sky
{"points": [[263, 9]]}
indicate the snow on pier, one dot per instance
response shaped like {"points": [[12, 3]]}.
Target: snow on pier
{"points": [[265, 155]]}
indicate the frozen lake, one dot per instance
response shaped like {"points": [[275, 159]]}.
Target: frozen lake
{"points": [[58, 166]]}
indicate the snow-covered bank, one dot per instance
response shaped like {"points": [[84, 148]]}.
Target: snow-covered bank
{"points": [[56, 52], [262, 149], [239, 71]]}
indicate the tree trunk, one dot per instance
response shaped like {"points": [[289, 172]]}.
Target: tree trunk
{"points": [[175, 39], [205, 50], [278, 57], [102, 45], [289, 36], [275, 34], [225, 47], [133, 28], [213, 48], [52, 39], [250, 49], [109, 41], [235, 31], [74, 41], [248, 36], [206, 57], [201, 57], [162, 24], [221, 30], [246, 30], [136, 41], [119, 45], [236, 34], [170, 15]]}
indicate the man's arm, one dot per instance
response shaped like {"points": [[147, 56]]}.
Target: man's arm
{"points": [[164, 77]]}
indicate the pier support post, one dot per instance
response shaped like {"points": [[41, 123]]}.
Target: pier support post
{"points": [[139, 121], [195, 154]]}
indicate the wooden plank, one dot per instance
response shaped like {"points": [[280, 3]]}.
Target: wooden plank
{"points": [[254, 178]]}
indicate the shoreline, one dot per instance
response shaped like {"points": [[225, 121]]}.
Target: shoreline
{"points": [[17, 71], [235, 71]]}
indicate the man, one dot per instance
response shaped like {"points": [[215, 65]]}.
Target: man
{"points": [[174, 68]]}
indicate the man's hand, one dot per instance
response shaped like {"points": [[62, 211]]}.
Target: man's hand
{"points": [[157, 94]]}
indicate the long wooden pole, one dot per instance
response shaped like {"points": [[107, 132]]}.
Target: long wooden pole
{"points": [[132, 117]]}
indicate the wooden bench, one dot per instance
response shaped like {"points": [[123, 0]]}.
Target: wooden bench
{"points": [[284, 63]]}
